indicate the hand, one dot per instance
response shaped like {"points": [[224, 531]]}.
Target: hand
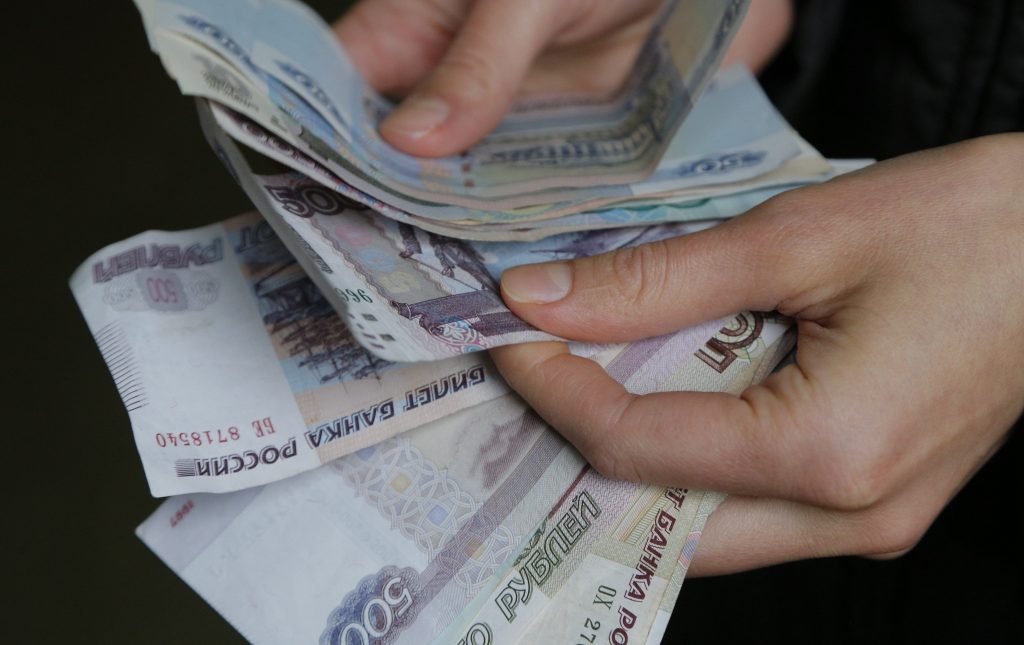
{"points": [[466, 60], [907, 284]]}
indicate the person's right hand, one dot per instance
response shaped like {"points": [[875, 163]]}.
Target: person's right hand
{"points": [[906, 282]]}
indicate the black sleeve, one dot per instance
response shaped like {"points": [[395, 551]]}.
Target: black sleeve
{"points": [[868, 78]]}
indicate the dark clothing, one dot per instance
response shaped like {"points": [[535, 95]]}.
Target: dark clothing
{"points": [[865, 78]]}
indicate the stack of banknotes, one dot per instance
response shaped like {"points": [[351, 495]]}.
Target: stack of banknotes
{"points": [[343, 464], [285, 87], [361, 500]]}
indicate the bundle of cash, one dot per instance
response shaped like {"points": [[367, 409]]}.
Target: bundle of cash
{"points": [[236, 370], [482, 527], [478, 525], [286, 87], [345, 465], [432, 296]]}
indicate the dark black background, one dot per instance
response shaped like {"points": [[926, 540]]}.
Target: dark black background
{"points": [[104, 147]]}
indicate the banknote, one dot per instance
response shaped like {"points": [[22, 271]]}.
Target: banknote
{"points": [[612, 578], [756, 145], [760, 151], [404, 541], [237, 370], [709, 502], [234, 368], [628, 561], [434, 296], [698, 205], [614, 594], [293, 61]]}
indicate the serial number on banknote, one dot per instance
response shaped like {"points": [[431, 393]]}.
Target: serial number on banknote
{"points": [[260, 428], [603, 597]]}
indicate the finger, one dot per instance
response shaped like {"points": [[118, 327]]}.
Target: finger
{"points": [[773, 258], [764, 31], [395, 44], [468, 93], [695, 439], [749, 532]]}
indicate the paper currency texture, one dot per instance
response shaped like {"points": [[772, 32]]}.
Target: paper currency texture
{"points": [[475, 526], [234, 368]]}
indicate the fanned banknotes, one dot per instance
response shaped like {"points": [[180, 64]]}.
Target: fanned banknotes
{"points": [[542, 172], [284, 86], [278, 61], [734, 144], [433, 296], [365, 495], [237, 371], [481, 527]]}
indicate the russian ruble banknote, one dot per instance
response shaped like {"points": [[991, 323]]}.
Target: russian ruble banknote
{"points": [[698, 205], [618, 586], [481, 527], [234, 368], [279, 63], [434, 295], [626, 588], [708, 503], [239, 366], [734, 143]]}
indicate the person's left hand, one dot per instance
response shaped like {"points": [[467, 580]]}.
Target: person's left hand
{"points": [[461, 63], [907, 284]]}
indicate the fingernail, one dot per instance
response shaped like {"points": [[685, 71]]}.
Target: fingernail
{"points": [[538, 284], [417, 116]]}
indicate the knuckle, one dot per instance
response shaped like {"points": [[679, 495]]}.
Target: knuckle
{"points": [[852, 466], [987, 163], [849, 494], [851, 481], [892, 535], [471, 75], [794, 236], [605, 451], [788, 214], [640, 274], [611, 463], [809, 245], [793, 205]]}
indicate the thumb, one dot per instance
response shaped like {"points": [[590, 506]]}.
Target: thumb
{"points": [[772, 258], [472, 87]]}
